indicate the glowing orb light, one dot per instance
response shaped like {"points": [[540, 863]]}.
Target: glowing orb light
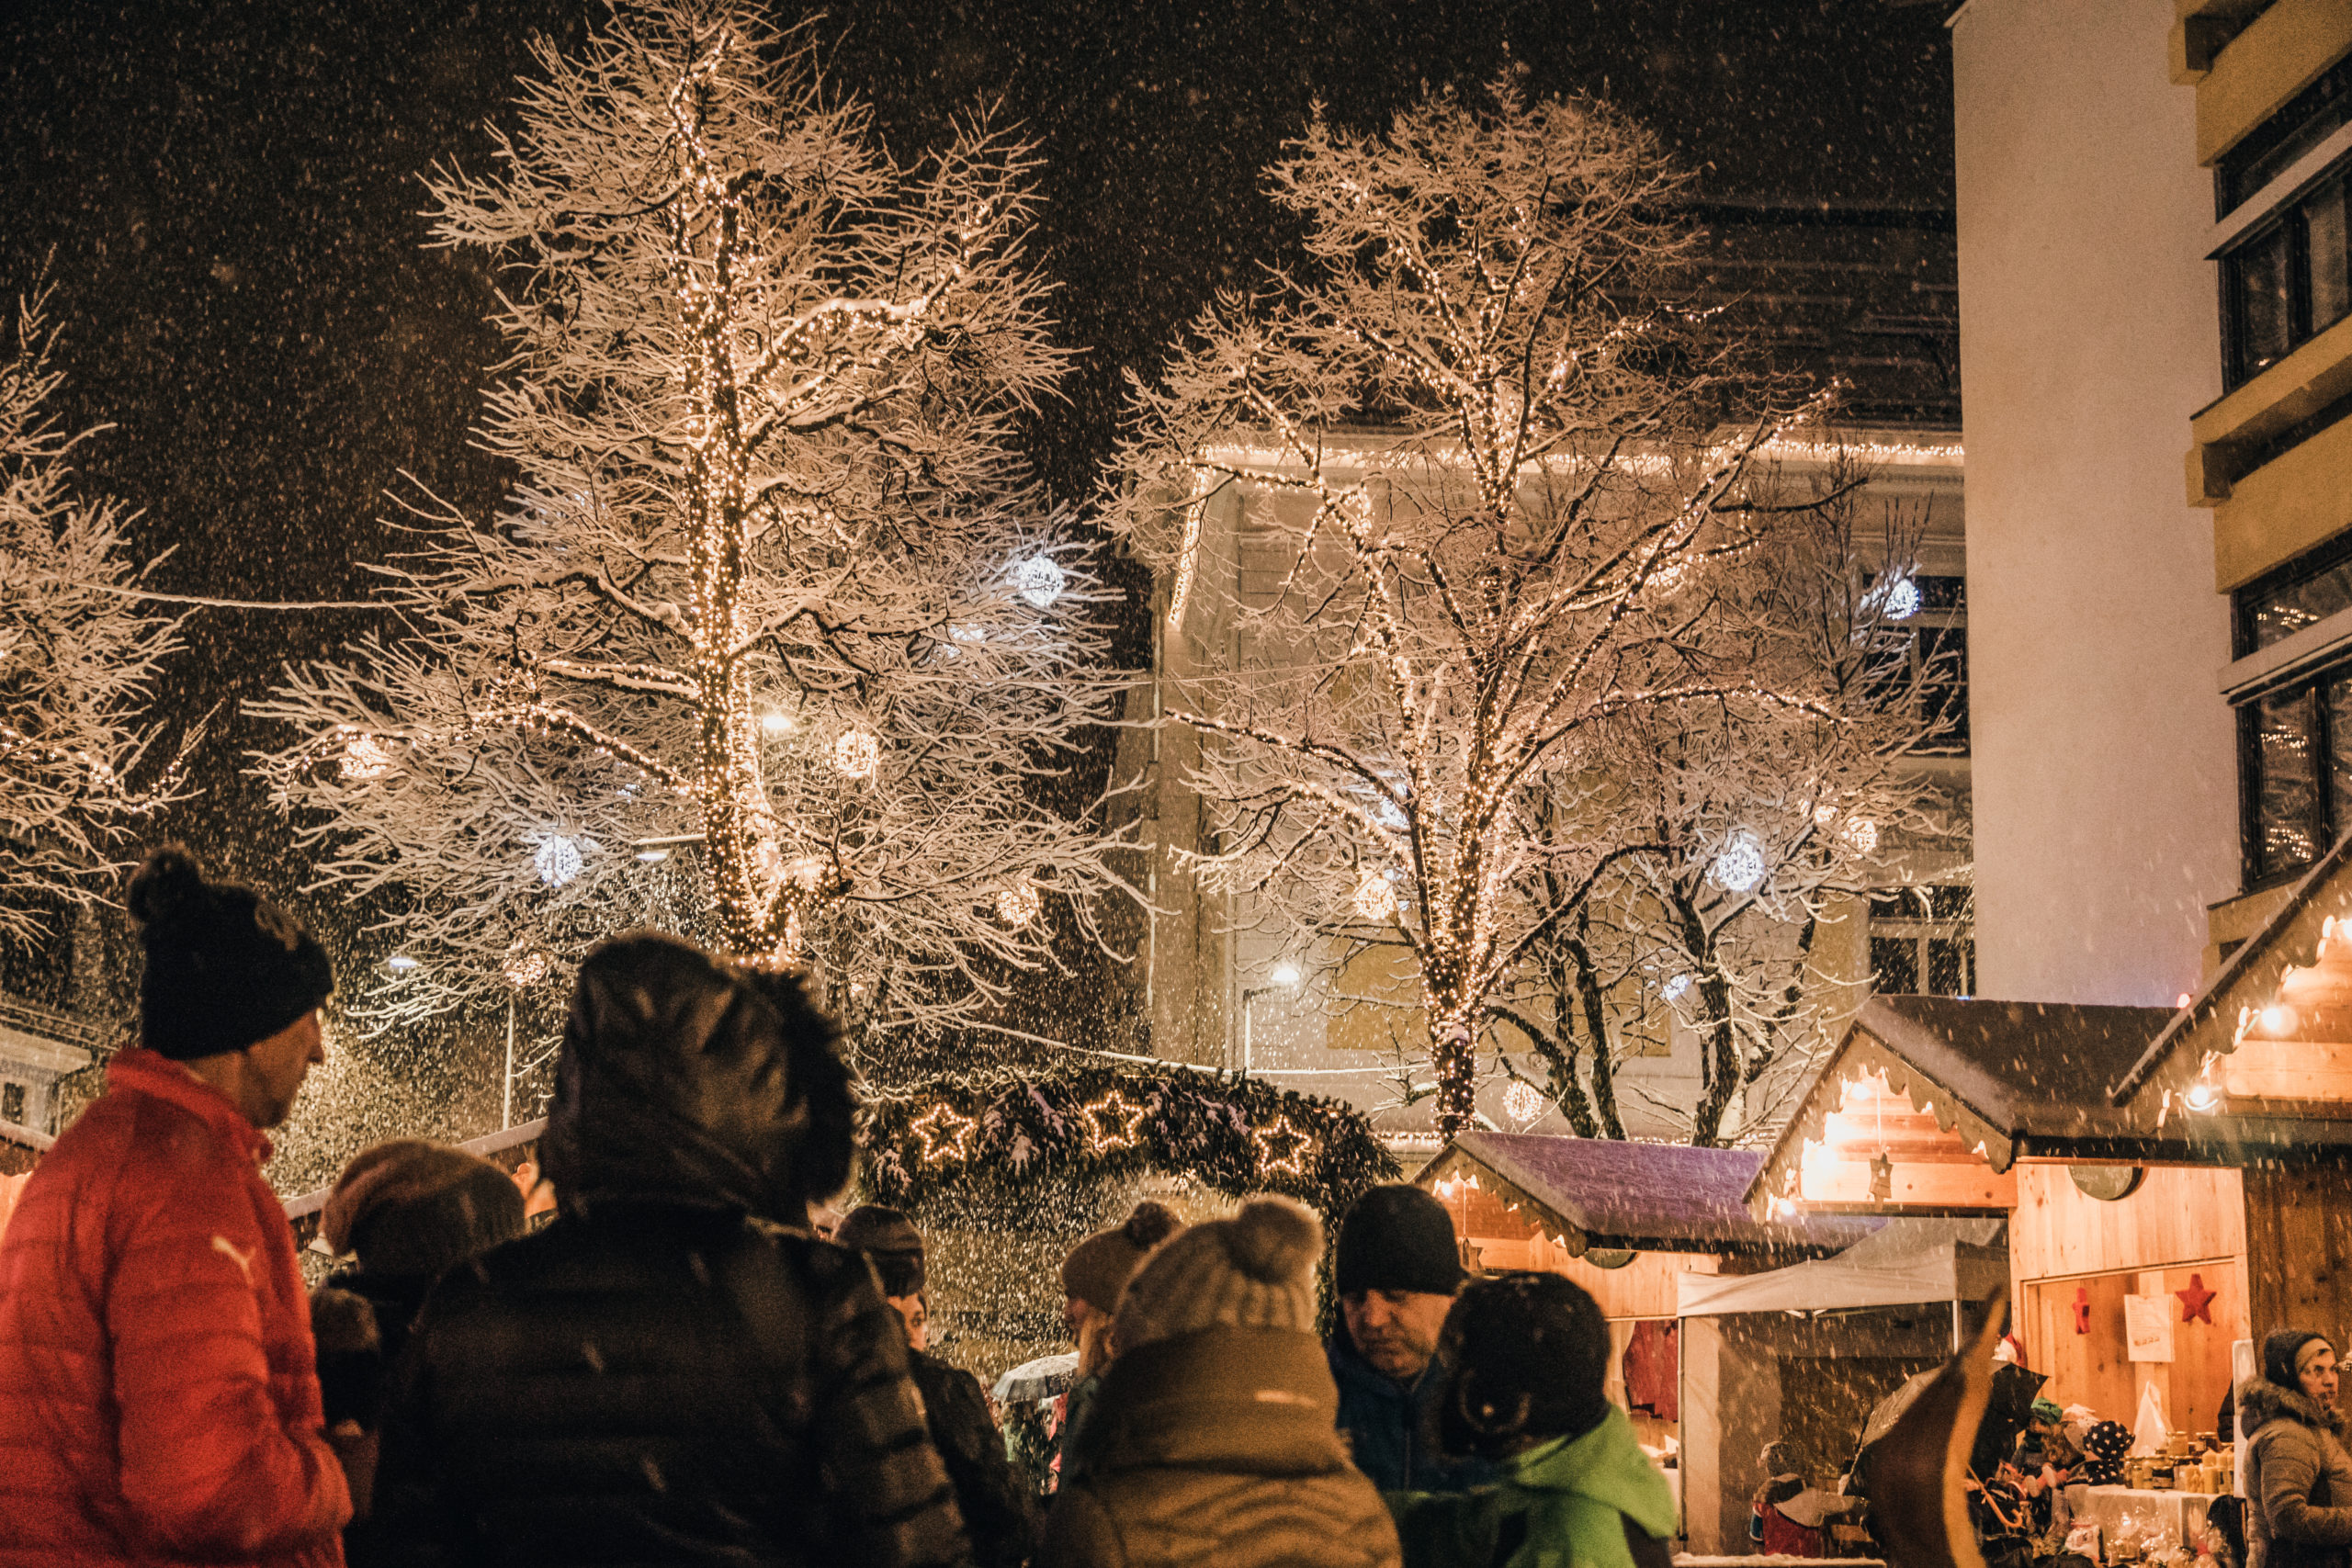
{"points": [[1018, 905], [364, 759], [525, 965], [1376, 898], [1040, 579], [558, 860], [1862, 833], [1739, 867], [1900, 598], [1285, 975], [776, 721], [1522, 1102]]}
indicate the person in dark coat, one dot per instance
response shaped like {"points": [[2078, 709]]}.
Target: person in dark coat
{"points": [[997, 1508], [1397, 1270], [671, 1372], [406, 1212], [2298, 1475]]}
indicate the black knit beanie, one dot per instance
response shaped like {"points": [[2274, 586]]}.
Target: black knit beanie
{"points": [[225, 966], [891, 1243], [1523, 1354], [1398, 1239], [2279, 1352]]}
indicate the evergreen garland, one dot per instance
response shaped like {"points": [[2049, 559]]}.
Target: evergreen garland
{"points": [[1094, 1123]]}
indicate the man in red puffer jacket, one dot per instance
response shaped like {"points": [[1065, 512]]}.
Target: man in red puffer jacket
{"points": [[159, 1398]]}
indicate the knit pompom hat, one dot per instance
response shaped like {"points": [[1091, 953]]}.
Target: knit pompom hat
{"points": [[1098, 1267], [1254, 1270], [226, 968]]}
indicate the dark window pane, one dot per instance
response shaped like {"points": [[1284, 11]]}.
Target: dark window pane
{"points": [[2267, 152], [2285, 785], [1896, 961], [1951, 903], [1952, 966], [2338, 698], [2324, 233], [11, 1103], [1943, 688], [2277, 613], [2262, 283]]}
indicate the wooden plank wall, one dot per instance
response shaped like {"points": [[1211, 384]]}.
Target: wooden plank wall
{"points": [[2299, 1250], [2177, 1216], [1643, 1287], [2095, 1367]]}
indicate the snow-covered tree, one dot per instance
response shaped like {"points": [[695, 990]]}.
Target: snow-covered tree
{"points": [[774, 641], [1740, 830], [79, 656], [1511, 497]]}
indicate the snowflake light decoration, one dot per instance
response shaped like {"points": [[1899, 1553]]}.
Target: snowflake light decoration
{"points": [[1739, 867], [1522, 1102], [364, 759], [558, 860], [857, 754], [524, 966], [1040, 579], [1018, 905], [1376, 898]]}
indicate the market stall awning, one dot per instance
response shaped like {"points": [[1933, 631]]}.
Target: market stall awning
{"points": [[1604, 1193], [1901, 1266]]}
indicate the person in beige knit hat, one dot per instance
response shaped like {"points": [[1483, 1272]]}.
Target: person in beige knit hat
{"points": [[1212, 1438]]}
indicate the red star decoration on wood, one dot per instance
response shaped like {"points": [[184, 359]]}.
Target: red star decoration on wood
{"points": [[2082, 1309], [2197, 1302]]}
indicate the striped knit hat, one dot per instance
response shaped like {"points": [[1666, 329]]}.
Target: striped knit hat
{"points": [[1254, 1270]]}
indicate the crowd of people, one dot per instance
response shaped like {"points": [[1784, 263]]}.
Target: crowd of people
{"points": [[679, 1368]]}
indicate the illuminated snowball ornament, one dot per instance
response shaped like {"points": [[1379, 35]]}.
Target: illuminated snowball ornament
{"points": [[1522, 1102], [857, 754], [1376, 898], [1019, 905], [558, 860], [1898, 598], [524, 966], [364, 759], [1674, 987], [1040, 579], [1739, 867], [1862, 834], [776, 721], [1824, 815]]}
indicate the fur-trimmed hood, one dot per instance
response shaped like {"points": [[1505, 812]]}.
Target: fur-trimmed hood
{"points": [[2261, 1402]]}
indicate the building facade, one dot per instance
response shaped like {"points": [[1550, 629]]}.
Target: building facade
{"points": [[2153, 261]]}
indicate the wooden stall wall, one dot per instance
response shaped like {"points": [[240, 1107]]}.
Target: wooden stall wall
{"points": [[2299, 1250], [1643, 1287], [2091, 1364], [2177, 1216]]}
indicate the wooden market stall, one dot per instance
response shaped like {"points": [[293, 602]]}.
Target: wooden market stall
{"points": [[2128, 1219], [515, 1151], [1625, 1221]]}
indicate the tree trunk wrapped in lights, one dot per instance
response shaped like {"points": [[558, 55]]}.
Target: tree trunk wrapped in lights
{"points": [[1513, 532], [79, 662], [774, 642]]}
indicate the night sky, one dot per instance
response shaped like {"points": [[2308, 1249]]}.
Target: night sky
{"points": [[225, 197]]}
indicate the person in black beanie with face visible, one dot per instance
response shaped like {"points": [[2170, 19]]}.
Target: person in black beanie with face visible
{"points": [[1520, 1368], [159, 1396], [1396, 1269], [2298, 1475], [996, 1506]]}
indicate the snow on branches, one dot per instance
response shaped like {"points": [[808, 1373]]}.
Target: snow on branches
{"points": [[78, 660], [774, 642], [1487, 537]]}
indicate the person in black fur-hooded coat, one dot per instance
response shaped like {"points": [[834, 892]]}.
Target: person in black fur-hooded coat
{"points": [[675, 1370], [2297, 1478]]}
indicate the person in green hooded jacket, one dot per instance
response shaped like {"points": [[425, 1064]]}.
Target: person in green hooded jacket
{"points": [[1525, 1357]]}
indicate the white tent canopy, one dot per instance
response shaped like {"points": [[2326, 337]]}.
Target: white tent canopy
{"points": [[1908, 1262]]}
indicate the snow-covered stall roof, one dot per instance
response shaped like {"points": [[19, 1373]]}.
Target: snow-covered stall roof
{"points": [[1907, 1263], [1601, 1192]]}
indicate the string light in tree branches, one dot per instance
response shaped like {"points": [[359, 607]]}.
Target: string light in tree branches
{"points": [[857, 754], [524, 966], [1019, 905], [1376, 898], [363, 758]]}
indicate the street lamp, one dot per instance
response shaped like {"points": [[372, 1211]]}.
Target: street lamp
{"points": [[1285, 975]]}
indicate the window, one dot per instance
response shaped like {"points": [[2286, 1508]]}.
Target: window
{"points": [[2295, 741], [2286, 281], [2267, 151], [1936, 659], [11, 1103], [1923, 940]]}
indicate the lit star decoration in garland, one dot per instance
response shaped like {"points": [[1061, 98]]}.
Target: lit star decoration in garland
{"points": [[1281, 1134], [1114, 1122], [945, 1133]]}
